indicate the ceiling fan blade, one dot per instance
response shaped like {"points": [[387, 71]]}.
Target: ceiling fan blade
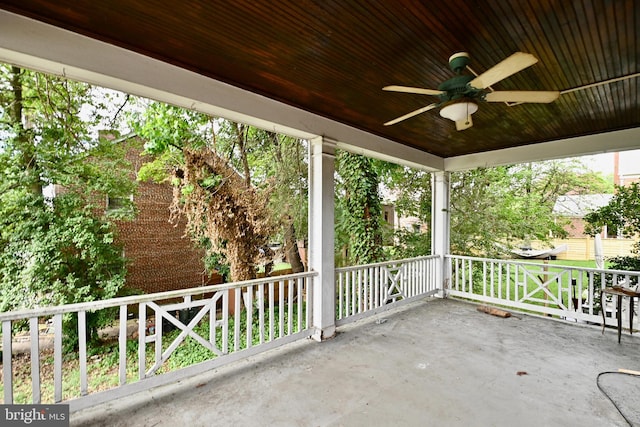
{"points": [[542, 97], [505, 68], [408, 89], [464, 124], [411, 114]]}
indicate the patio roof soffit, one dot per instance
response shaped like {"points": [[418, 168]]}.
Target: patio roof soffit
{"points": [[81, 58], [33, 44]]}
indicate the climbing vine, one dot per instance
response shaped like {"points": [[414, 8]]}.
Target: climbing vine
{"points": [[359, 217]]}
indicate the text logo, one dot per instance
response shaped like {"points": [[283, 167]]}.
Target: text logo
{"points": [[34, 415]]}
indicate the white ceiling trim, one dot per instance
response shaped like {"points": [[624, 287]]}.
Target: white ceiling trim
{"points": [[622, 140]]}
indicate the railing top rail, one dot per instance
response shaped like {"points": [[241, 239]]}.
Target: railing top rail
{"points": [[376, 264], [567, 267], [135, 299]]}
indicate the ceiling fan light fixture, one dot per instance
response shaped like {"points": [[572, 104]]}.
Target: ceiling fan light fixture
{"points": [[459, 110]]}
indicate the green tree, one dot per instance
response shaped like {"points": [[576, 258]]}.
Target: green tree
{"points": [[478, 219], [267, 163], [496, 208], [622, 213], [56, 250], [282, 160], [410, 192]]}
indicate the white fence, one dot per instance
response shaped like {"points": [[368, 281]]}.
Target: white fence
{"points": [[227, 322], [368, 289], [549, 289]]}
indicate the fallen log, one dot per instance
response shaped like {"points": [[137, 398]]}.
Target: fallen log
{"points": [[493, 311]]}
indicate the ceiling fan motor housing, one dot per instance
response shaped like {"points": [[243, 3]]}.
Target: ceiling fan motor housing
{"points": [[458, 62], [456, 88]]}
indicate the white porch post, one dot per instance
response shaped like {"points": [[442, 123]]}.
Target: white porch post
{"points": [[321, 236], [440, 225]]}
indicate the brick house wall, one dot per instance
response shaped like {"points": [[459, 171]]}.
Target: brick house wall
{"points": [[572, 208], [575, 228], [160, 257]]}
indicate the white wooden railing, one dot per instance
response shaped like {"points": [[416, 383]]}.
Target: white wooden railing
{"points": [[237, 320], [549, 289], [243, 318], [365, 290]]}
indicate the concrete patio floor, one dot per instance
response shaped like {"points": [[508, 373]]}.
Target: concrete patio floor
{"points": [[431, 363]]}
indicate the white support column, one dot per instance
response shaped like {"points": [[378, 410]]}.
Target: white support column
{"points": [[321, 236], [440, 225]]}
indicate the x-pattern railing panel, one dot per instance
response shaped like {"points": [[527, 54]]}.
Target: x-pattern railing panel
{"points": [[564, 291], [393, 288], [535, 277], [162, 312], [366, 288]]}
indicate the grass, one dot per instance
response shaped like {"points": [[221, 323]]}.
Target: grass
{"points": [[276, 267], [570, 263], [101, 368]]}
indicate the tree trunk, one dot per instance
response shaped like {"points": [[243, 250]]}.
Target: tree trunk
{"points": [[291, 252], [241, 138], [29, 162], [240, 265]]}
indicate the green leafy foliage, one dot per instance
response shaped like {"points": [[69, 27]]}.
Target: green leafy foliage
{"points": [[622, 213], [359, 213], [169, 126], [282, 160], [492, 209], [56, 250], [409, 243], [625, 263], [166, 130], [410, 190], [496, 208], [158, 170]]}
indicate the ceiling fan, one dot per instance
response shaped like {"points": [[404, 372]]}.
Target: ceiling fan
{"points": [[459, 95]]}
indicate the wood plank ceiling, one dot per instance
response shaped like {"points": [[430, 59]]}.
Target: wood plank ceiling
{"points": [[332, 58]]}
